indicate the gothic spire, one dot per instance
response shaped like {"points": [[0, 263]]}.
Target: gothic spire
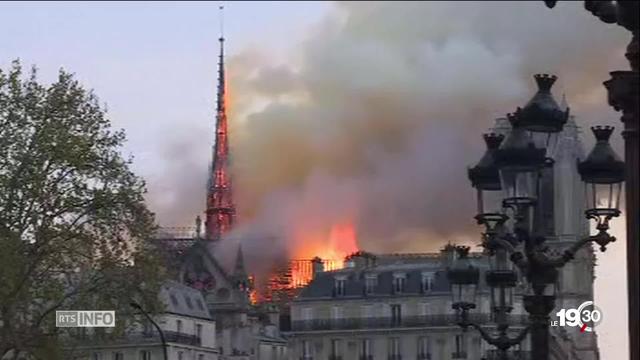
{"points": [[220, 103], [239, 269], [240, 276], [220, 213]]}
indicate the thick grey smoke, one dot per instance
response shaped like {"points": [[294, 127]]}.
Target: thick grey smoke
{"points": [[379, 117], [378, 113]]}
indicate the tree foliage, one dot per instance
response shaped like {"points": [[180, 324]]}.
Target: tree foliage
{"points": [[73, 222]]}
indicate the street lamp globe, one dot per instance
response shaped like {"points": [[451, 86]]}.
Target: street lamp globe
{"points": [[485, 178], [603, 174], [519, 163], [501, 279], [542, 117], [463, 280]]}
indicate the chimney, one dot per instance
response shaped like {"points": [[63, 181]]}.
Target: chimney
{"points": [[273, 314], [317, 266], [447, 255], [361, 260]]}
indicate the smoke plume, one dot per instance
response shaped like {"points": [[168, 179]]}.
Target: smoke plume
{"points": [[374, 118]]}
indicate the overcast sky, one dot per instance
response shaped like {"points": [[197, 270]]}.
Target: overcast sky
{"points": [[154, 65]]}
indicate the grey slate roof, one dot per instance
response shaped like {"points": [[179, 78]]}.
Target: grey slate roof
{"points": [[324, 283], [183, 300]]}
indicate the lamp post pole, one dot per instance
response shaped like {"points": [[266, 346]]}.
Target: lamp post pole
{"points": [[137, 306], [623, 96], [539, 307]]}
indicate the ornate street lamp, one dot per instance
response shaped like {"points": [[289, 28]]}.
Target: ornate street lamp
{"points": [[485, 178], [501, 279], [521, 160], [542, 117], [463, 279], [520, 164], [603, 174]]}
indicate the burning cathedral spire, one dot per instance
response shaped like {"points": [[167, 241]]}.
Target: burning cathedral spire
{"points": [[220, 212]]}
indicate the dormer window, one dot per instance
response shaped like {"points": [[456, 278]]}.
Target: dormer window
{"points": [[427, 282], [340, 286], [399, 281], [370, 283]]}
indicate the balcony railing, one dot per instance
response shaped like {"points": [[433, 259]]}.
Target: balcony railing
{"points": [[181, 338], [512, 355], [389, 322], [138, 337]]}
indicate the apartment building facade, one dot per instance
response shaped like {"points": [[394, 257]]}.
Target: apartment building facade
{"points": [[391, 308], [187, 326]]}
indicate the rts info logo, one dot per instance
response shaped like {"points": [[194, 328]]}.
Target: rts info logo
{"points": [[586, 317]]}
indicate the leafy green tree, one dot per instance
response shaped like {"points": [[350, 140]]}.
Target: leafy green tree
{"points": [[73, 221]]}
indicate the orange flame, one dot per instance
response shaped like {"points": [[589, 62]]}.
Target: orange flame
{"points": [[331, 246], [341, 241], [253, 293]]}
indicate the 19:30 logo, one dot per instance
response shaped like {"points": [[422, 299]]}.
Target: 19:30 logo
{"points": [[586, 317]]}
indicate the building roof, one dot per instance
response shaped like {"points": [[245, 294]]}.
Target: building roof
{"points": [[183, 300], [410, 266]]}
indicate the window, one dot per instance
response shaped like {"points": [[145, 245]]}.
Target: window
{"points": [[460, 348], [145, 355], [459, 343], [199, 303], [96, 356], [370, 283], [423, 309], [179, 326], [180, 355], [427, 282], [394, 348], [274, 353], [399, 281], [307, 313], [336, 348], [188, 301], [118, 356], [396, 314], [306, 349], [340, 286], [367, 311], [174, 300], [365, 348], [367, 314], [199, 331], [336, 312], [200, 357], [423, 348]]}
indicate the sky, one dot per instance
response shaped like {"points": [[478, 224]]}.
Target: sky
{"points": [[303, 78]]}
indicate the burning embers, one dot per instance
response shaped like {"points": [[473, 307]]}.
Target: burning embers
{"points": [[331, 249]]}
